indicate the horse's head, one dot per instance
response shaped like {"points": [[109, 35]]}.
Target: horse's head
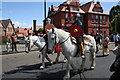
{"points": [[28, 44], [52, 39]]}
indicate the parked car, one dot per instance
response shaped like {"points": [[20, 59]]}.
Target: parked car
{"points": [[20, 40]]}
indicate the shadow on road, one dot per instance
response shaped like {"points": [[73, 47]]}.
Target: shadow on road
{"points": [[24, 68], [48, 73], [15, 52]]}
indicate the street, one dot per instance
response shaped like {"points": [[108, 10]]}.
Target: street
{"points": [[26, 66]]}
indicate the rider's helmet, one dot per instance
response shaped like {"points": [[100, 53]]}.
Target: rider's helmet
{"points": [[48, 21], [77, 16]]}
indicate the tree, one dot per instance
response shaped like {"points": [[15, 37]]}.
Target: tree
{"points": [[114, 11], [115, 24], [115, 18], [119, 3], [41, 30]]}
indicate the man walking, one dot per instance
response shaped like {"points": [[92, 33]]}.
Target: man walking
{"points": [[14, 39]]}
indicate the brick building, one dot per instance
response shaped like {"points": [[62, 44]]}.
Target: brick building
{"points": [[23, 31], [6, 29], [92, 15]]}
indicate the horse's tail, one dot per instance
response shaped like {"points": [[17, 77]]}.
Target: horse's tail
{"points": [[92, 40]]}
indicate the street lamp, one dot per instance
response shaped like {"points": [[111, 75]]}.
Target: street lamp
{"points": [[115, 22], [44, 15]]}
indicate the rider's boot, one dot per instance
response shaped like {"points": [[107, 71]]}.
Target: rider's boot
{"points": [[81, 47]]}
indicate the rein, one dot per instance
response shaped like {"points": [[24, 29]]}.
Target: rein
{"points": [[65, 40], [34, 42]]}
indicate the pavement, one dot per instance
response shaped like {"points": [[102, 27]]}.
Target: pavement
{"points": [[20, 48]]}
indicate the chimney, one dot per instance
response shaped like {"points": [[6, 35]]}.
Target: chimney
{"points": [[34, 25]]}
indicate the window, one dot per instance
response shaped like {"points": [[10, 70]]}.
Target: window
{"points": [[100, 19], [71, 8], [104, 19], [67, 15], [81, 18], [96, 31], [92, 18], [96, 18], [76, 9]]}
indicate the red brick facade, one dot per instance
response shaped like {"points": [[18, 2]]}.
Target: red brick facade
{"points": [[92, 15]]}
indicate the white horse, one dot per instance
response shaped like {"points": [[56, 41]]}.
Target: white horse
{"points": [[41, 44], [69, 49]]}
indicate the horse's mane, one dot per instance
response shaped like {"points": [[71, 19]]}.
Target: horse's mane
{"points": [[36, 37], [61, 32]]}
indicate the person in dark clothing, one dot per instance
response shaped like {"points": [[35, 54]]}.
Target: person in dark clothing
{"points": [[14, 39], [97, 39]]}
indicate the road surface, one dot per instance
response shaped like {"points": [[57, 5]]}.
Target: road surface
{"points": [[26, 66]]}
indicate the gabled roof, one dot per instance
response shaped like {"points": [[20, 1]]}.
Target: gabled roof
{"points": [[55, 8], [88, 8], [5, 23], [62, 7]]}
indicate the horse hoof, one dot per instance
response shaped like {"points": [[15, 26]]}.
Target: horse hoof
{"points": [[41, 67], [83, 57], [27, 51], [51, 62], [65, 61], [66, 78], [92, 68]]}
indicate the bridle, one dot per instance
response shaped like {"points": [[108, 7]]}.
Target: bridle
{"points": [[61, 42], [34, 44], [28, 42]]}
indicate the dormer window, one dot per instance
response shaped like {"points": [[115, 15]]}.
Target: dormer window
{"points": [[76, 9]]}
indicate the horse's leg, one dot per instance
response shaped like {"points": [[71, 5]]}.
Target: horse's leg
{"points": [[67, 75], [83, 63], [50, 61], [43, 58], [57, 58], [44, 55], [92, 52]]}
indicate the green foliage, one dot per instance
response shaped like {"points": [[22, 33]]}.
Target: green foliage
{"points": [[41, 30], [115, 18]]}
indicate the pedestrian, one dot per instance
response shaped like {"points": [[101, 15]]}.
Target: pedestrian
{"points": [[106, 46], [116, 65], [116, 37], [8, 41], [58, 50], [14, 41]]}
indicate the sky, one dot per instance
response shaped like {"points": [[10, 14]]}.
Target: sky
{"points": [[22, 14]]}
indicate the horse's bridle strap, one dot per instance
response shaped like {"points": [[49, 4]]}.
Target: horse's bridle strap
{"points": [[43, 47], [65, 40], [34, 42]]}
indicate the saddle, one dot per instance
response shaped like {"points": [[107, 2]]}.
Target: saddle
{"points": [[80, 45], [87, 41]]}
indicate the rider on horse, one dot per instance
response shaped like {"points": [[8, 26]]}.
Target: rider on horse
{"points": [[79, 40]]}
